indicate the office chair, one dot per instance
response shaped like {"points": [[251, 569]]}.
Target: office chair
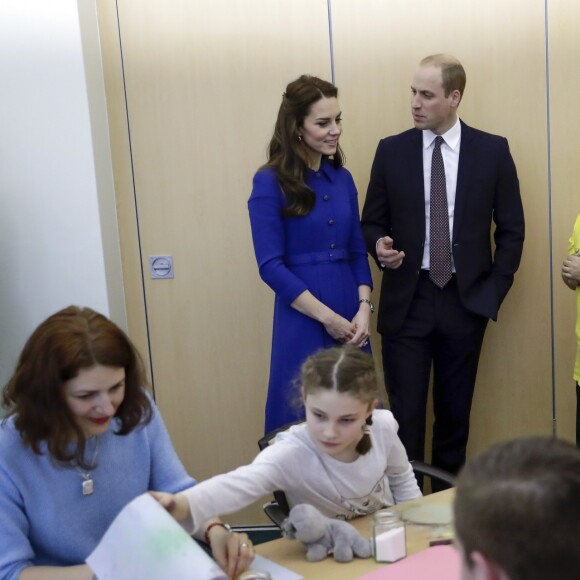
{"points": [[422, 469], [278, 509]]}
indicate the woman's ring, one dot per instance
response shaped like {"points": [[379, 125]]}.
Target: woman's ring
{"points": [[364, 343], [244, 545]]}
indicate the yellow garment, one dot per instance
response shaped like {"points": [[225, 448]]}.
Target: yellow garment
{"points": [[574, 248]]}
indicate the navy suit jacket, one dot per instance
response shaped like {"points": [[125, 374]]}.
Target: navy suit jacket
{"points": [[487, 191]]}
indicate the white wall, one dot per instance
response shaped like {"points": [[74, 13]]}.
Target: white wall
{"points": [[55, 201]]}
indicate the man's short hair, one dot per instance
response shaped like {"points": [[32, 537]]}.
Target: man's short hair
{"points": [[452, 71], [518, 504]]}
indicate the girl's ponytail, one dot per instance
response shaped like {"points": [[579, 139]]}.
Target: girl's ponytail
{"points": [[365, 444]]}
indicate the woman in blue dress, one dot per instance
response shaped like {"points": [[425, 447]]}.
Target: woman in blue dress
{"points": [[307, 239]]}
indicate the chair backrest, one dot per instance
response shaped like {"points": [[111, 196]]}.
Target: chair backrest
{"points": [[435, 473], [269, 437], [265, 441]]}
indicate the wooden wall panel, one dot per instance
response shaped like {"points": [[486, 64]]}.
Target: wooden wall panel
{"points": [[123, 176], [204, 81], [564, 50]]}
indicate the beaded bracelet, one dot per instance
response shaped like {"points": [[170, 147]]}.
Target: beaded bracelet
{"points": [[221, 525]]}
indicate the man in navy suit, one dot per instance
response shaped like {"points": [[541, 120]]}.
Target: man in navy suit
{"points": [[424, 323]]}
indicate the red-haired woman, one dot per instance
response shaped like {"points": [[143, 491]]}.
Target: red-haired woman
{"points": [[81, 440]]}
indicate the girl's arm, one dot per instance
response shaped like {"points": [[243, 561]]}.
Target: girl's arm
{"points": [[230, 492], [403, 483], [402, 480]]}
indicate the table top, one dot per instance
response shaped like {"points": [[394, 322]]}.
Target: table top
{"points": [[292, 555]]}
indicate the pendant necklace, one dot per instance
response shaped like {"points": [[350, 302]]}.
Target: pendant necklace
{"points": [[88, 483]]}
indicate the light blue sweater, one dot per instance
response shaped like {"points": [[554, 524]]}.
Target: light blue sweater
{"points": [[44, 518]]}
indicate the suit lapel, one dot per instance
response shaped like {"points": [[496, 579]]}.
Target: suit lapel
{"points": [[467, 163], [416, 183]]}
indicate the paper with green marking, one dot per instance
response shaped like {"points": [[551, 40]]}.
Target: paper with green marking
{"points": [[145, 543]]}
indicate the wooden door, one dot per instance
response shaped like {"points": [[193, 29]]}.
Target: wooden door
{"points": [[203, 82]]}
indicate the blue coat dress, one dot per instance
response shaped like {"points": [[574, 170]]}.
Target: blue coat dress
{"points": [[322, 252]]}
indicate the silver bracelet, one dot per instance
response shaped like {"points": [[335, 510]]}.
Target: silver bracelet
{"points": [[365, 301]]}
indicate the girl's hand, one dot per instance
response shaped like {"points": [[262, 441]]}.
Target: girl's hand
{"points": [[232, 551], [339, 328], [176, 504]]}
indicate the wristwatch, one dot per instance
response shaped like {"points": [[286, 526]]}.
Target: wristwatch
{"points": [[365, 301]]}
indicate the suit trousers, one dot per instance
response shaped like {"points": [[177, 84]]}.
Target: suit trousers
{"points": [[439, 333]]}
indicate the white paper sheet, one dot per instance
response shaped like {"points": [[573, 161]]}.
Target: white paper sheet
{"points": [[145, 543]]}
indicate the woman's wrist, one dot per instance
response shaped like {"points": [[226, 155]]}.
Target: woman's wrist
{"points": [[326, 316], [367, 304]]}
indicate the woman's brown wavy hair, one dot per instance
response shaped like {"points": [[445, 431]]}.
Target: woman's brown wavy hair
{"points": [[67, 342], [287, 154]]}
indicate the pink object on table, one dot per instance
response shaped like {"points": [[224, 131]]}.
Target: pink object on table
{"points": [[437, 563]]}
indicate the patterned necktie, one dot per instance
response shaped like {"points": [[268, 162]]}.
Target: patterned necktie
{"points": [[439, 241]]}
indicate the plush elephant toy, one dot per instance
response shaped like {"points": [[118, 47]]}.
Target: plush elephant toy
{"points": [[322, 535]]}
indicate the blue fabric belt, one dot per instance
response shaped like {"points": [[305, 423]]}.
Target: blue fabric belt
{"points": [[317, 257]]}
